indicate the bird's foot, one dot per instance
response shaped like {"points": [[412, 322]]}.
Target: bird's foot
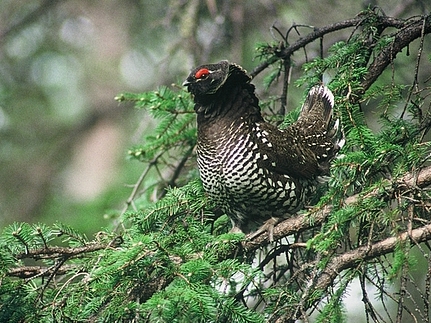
{"points": [[235, 229], [268, 226]]}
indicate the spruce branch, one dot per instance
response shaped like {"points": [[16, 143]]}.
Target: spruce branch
{"points": [[314, 218], [26, 272], [287, 52], [408, 32], [352, 258], [54, 252]]}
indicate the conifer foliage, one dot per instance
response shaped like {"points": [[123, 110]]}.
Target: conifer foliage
{"points": [[172, 259]]}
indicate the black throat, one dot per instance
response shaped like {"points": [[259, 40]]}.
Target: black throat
{"points": [[233, 100]]}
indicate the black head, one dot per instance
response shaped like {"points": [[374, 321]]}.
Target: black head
{"points": [[207, 79], [221, 88]]}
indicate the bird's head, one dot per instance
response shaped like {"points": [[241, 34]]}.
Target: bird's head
{"points": [[207, 79], [221, 88]]}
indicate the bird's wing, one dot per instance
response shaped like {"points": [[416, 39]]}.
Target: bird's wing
{"points": [[306, 148], [287, 152]]}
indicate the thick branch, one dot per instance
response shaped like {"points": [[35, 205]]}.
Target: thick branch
{"points": [[39, 271], [352, 258], [401, 39], [316, 217], [286, 52], [61, 252]]}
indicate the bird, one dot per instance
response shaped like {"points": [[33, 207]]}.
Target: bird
{"points": [[255, 172]]}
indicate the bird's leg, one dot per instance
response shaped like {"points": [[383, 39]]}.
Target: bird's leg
{"points": [[236, 227], [268, 226]]}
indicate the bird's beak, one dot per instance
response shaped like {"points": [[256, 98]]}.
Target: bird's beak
{"points": [[185, 83]]}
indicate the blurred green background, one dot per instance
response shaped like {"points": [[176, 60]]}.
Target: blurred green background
{"points": [[63, 137]]}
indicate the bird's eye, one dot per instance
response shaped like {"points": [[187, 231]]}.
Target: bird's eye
{"points": [[202, 73]]}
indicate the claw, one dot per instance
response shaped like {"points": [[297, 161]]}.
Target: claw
{"points": [[268, 226]]}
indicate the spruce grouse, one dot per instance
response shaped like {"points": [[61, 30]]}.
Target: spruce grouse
{"points": [[254, 171]]}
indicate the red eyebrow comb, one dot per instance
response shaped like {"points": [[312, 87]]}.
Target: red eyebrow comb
{"points": [[202, 73]]}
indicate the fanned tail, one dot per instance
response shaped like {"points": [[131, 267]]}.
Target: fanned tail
{"points": [[324, 135], [318, 105]]}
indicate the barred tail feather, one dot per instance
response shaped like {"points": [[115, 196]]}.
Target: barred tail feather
{"points": [[319, 104]]}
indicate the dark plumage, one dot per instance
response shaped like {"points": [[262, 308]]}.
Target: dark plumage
{"points": [[253, 170]]}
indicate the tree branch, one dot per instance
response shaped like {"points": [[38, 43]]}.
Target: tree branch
{"points": [[401, 39], [286, 52], [61, 252], [39, 271], [314, 218], [352, 258]]}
